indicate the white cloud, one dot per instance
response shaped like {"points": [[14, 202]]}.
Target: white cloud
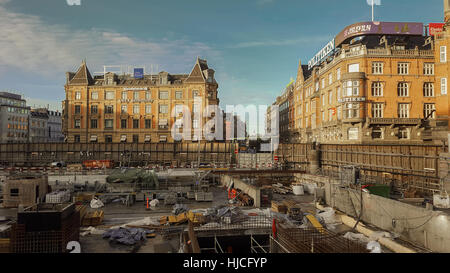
{"points": [[29, 44]]}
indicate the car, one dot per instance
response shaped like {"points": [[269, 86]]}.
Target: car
{"points": [[58, 164]]}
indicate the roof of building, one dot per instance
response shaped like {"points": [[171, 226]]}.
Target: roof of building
{"points": [[197, 75], [82, 76]]}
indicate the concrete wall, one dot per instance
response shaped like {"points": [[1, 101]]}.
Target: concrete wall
{"points": [[430, 229], [77, 179], [253, 191]]}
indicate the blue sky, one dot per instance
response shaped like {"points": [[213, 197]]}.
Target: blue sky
{"points": [[254, 45]]}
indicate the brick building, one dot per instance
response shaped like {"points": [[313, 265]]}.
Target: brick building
{"points": [[375, 82], [124, 108]]}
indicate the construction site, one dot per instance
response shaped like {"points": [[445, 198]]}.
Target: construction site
{"points": [[214, 198]]}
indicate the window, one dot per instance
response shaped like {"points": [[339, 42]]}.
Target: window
{"points": [[338, 74], [352, 88], [195, 93], [403, 89], [14, 192], [377, 133], [353, 133], [124, 95], [443, 54], [108, 138], [403, 133], [124, 109], [94, 109], [136, 109], [123, 124], [428, 69], [163, 95], [429, 110], [78, 95], [306, 108], [135, 138], [330, 114], [148, 124], [196, 108], [323, 116], [338, 91], [109, 95], [77, 138], [428, 89], [377, 110], [109, 109], [93, 124], [330, 78], [353, 68], [148, 95], [178, 95], [323, 83], [377, 89], [195, 124], [339, 112], [136, 95], [77, 124], [330, 97], [377, 68], [135, 124], [403, 110], [403, 68], [94, 95], [108, 123], [163, 109], [317, 86], [324, 98], [77, 109], [148, 108], [351, 110], [443, 86]]}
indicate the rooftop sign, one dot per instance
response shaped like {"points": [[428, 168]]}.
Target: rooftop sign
{"points": [[387, 28], [322, 54]]}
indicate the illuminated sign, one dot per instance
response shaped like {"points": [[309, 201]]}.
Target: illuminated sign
{"points": [[435, 28], [322, 54], [139, 73], [383, 28], [357, 99]]}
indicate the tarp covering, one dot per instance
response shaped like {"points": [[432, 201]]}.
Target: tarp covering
{"points": [[126, 236], [148, 179]]}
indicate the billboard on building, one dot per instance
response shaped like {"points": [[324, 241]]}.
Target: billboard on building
{"points": [[139, 73], [434, 28], [383, 28]]}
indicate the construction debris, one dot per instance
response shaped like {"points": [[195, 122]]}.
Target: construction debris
{"points": [[179, 208], [96, 203], [94, 218], [126, 236], [279, 188], [58, 197]]}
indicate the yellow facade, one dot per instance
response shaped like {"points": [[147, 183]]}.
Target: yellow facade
{"points": [[123, 109], [372, 108]]}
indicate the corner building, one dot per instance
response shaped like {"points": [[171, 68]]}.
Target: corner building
{"points": [[376, 83]]}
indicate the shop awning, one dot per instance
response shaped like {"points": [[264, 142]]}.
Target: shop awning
{"points": [[162, 138], [123, 138], [147, 139], [93, 138]]}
